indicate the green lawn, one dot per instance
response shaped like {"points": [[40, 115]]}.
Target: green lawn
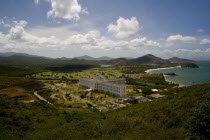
{"points": [[104, 73]]}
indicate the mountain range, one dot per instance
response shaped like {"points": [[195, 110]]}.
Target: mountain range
{"points": [[86, 57], [26, 59]]}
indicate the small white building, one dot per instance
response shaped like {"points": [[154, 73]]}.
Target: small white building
{"points": [[154, 90]]}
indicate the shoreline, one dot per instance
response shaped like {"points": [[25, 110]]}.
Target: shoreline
{"points": [[165, 76], [149, 70]]}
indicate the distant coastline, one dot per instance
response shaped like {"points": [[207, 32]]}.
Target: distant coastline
{"points": [[165, 76], [149, 70], [187, 76]]}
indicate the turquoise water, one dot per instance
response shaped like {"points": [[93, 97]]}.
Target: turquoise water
{"points": [[189, 76]]}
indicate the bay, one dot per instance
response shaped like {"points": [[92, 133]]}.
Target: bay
{"points": [[189, 76]]}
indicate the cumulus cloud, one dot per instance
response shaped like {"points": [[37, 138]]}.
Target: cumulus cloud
{"points": [[200, 30], [10, 22], [66, 9], [18, 37], [205, 41], [124, 27], [108, 44], [21, 23], [138, 42], [180, 38]]}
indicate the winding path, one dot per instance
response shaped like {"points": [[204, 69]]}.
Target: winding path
{"points": [[41, 98]]}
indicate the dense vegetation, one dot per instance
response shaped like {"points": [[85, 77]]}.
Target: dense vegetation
{"points": [[181, 115], [71, 68], [180, 60], [135, 70], [18, 71], [74, 76], [28, 84], [188, 65]]}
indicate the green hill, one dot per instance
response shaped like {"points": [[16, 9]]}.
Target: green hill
{"points": [[17, 71], [184, 114], [188, 65], [121, 62], [180, 60], [150, 59]]}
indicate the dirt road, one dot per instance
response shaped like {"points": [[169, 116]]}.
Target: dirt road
{"points": [[41, 98]]}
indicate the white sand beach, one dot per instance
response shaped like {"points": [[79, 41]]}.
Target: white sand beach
{"points": [[165, 76], [149, 70]]}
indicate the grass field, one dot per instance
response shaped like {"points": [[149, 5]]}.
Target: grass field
{"points": [[104, 73]]}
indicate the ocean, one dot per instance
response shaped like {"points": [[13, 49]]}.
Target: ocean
{"points": [[189, 76]]}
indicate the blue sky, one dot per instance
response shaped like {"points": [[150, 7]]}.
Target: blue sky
{"points": [[115, 28]]}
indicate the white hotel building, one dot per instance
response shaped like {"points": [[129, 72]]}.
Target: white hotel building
{"points": [[115, 87]]}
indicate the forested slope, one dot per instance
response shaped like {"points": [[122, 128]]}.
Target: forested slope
{"points": [[178, 116]]}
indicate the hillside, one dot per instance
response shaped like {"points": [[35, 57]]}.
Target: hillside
{"points": [[7, 54], [189, 65], [17, 71], [121, 62], [20, 60], [150, 59], [180, 60], [184, 114]]}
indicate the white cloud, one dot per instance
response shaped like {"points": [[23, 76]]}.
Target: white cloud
{"points": [[138, 42], [186, 53], [104, 43], [10, 22], [200, 30], [60, 32], [36, 1], [85, 11], [66, 9], [205, 41], [6, 25], [19, 38], [22, 40], [124, 27], [16, 33], [21, 23], [180, 38]]}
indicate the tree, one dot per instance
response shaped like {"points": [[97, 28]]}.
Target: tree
{"points": [[82, 96], [89, 105], [200, 122]]}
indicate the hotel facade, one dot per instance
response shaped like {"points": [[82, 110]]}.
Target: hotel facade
{"points": [[115, 87]]}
